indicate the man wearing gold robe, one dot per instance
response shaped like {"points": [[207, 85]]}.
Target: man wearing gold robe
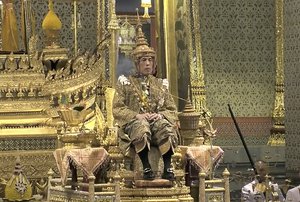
{"points": [[9, 27], [146, 111]]}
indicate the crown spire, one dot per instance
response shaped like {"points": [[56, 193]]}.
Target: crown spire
{"points": [[142, 47]]}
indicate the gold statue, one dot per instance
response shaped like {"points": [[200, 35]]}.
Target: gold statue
{"points": [[18, 187]]}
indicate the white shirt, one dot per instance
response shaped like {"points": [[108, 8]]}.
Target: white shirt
{"points": [[293, 195], [249, 194]]}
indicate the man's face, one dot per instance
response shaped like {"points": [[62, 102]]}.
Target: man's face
{"points": [[262, 170], [146, 65]]}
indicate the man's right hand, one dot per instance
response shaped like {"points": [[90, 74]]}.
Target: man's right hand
{"points": [[144, 116]]}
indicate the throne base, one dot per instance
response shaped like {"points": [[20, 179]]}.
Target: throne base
{"points": [[153, 183], [151, 194]]}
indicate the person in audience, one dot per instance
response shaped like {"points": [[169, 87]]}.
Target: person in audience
{"points": [[293, 195], [259, 189]]}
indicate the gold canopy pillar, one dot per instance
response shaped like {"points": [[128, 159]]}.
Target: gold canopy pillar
{"points": [[277, 137], [166, 10], [114, 28]]}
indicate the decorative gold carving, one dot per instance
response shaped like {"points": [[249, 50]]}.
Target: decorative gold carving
{"points": [[18, 188], [189, 123], [109, 96], [55, 53], [277, 137], [196, 65], [58, 192], [43, 160], [24, 105], [74, 134], [127, 36], [75, 25], [209, 133], [33, 44], [113, 26], [156, 194], [210, 190], [77, 76], [178, 165]]}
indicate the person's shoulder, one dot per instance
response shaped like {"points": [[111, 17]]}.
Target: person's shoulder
{"points": [[295, 189], [163, 81], [123, 80], [293, 194]]}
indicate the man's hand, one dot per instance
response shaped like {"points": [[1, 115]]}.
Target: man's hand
{"points": [[149, 116], [155, 117], [142, 116]]}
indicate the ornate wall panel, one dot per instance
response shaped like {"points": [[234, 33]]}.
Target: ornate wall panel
{"points": [[238, 51], [292, 84], [10, 144], [255, 131]]}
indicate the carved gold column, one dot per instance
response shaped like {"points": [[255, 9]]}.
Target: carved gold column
{"points": [[75, 27], [158, 36], [99, 21], [102, 18], [202, 176], [114, 28], [195, 57], [109, 95], [278, 130], [170, 45], [1, 20]]}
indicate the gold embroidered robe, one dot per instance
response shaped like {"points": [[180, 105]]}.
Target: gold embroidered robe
{"points": [[128, 103]]}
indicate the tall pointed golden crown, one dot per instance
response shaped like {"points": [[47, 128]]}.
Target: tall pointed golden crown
{"points": [[142, 47]]}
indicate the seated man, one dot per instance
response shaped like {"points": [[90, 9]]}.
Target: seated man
{"points": [[146, 112], [257, 189]]}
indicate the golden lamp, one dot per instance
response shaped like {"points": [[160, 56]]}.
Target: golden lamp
{"points": [[146, 4]]}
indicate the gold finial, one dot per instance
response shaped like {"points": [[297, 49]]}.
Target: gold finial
{"points": [[50, 6], [51, 21], [51, 26]]}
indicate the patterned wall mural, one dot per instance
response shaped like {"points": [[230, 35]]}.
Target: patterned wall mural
{"points": [[292, 84], [182, 51], [238, 50]]}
